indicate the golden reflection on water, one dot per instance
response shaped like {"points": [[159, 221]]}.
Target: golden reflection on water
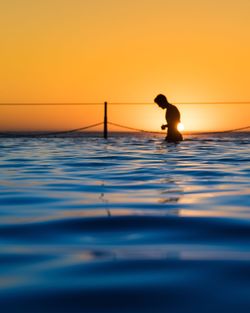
{"points": [[200, 213]]}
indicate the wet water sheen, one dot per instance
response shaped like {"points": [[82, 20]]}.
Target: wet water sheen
{"points": [[127, 225]]}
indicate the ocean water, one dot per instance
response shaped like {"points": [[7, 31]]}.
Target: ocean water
{"points": [[127, 225]]}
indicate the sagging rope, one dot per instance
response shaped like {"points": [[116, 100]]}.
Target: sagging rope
{"points": [[226, 131], [51, 133], [135, 129], [74, 130], [45, 134], [155, 132]]}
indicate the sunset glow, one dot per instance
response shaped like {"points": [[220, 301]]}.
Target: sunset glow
{"points": [[180, 127], [124, 51]]}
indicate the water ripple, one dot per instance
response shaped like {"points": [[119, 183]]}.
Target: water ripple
{"points": [[129, 225]]}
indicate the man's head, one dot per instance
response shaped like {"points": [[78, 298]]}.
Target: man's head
{"points": [[162, 101]]}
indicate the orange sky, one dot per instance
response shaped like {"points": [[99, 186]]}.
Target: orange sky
{"points": [[119, 51]]}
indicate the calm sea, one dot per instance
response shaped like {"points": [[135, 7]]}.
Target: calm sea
{"points": [[127, 225]]}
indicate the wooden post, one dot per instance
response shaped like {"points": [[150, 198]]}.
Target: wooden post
{"points": [[105, 129]]}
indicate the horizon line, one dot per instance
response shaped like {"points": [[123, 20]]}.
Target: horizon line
{"points": [[187, 132]]}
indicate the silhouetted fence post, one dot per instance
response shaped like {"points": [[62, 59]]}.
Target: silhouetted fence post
{"points": [[105, 128]]}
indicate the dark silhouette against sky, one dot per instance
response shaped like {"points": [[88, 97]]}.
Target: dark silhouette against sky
{"points": [[173, 118]]}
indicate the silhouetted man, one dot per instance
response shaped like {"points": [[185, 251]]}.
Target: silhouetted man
{"points": [[173, 118]]}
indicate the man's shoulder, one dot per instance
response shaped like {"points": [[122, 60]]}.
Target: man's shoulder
{"points": [[174, 108]]}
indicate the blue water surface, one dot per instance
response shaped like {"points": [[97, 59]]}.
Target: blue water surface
{"points": [[131, 224]]}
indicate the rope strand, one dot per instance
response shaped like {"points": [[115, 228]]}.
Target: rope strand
{"points": [[226, 131], [51, 133], [135, 129], [118, 103], [113, 124], [155, 132]]}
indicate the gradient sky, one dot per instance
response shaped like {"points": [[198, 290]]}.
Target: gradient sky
{"points": [[127, 50]]}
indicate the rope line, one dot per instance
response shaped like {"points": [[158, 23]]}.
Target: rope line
{"points": [[135, 129], [51, 133], [180, 103], [50, 103], [236, 129], [226, 131], [120, 103], [155, 132], [10, 134], [75, 130]]}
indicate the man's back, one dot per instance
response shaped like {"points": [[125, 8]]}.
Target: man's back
{"points": [[173, 118]]}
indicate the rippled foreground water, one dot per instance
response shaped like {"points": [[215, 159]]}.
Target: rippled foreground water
{"points": [[131, 224]]}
